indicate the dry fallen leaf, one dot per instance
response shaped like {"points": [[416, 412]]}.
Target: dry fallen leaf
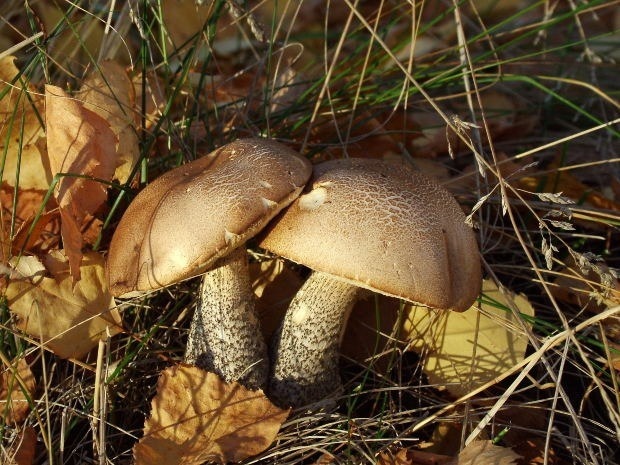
{"points": [[485, 453], [109, 92], [400, 457], [17, 385], [19, 212], [21, 450], [445, 439], [197, 417], [68, 319], [533, 452], [476, 453], [21, 110], [79, 142], [466, 350]]}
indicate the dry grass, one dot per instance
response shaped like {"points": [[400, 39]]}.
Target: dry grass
{"points": [[343, 79]]}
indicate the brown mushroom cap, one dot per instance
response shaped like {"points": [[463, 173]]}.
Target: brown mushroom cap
{"points": [[384, 227], [182, 222]]}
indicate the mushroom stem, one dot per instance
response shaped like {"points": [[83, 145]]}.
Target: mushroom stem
{"points": [[305, 349], [225, 336]]}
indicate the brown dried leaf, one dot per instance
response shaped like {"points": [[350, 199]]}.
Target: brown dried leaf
{"points": [[79, 142], [445, 440], [485, 453], [400, 457], [109, 92], [20, 109], [533, 453], [68, 319], [17, 385], [19, 211], [196, 417], [22, 449]]}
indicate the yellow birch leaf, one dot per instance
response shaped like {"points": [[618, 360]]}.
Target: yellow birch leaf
{"points": [[466, 350], [20, 129], [197, 417], [17, 385], [68, 319]]}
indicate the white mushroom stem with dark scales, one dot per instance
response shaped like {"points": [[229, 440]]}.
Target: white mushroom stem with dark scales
{"points": [[306, 348], [225, 336]]}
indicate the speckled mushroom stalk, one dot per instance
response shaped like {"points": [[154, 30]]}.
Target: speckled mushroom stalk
{"points": [[196, 219], [363, 224], [306, 347], [224, 334]]}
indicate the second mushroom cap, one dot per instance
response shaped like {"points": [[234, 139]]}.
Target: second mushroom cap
{"points": [[384, 227]]}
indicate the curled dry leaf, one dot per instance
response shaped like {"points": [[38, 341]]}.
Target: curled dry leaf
{"points": [[17, 385], [466, 350], [109, 92], [21, 114], [68, 319], [79, 142], [197, 417]]}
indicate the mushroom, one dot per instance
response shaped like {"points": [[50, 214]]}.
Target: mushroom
{"points": [[363, 224], [195, 218]]}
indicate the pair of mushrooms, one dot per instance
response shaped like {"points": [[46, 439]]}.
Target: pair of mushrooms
{"points": [[360, 224]]}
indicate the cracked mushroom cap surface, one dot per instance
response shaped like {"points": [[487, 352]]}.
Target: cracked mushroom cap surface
{"points": [[385, 227], [191, 216]]}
